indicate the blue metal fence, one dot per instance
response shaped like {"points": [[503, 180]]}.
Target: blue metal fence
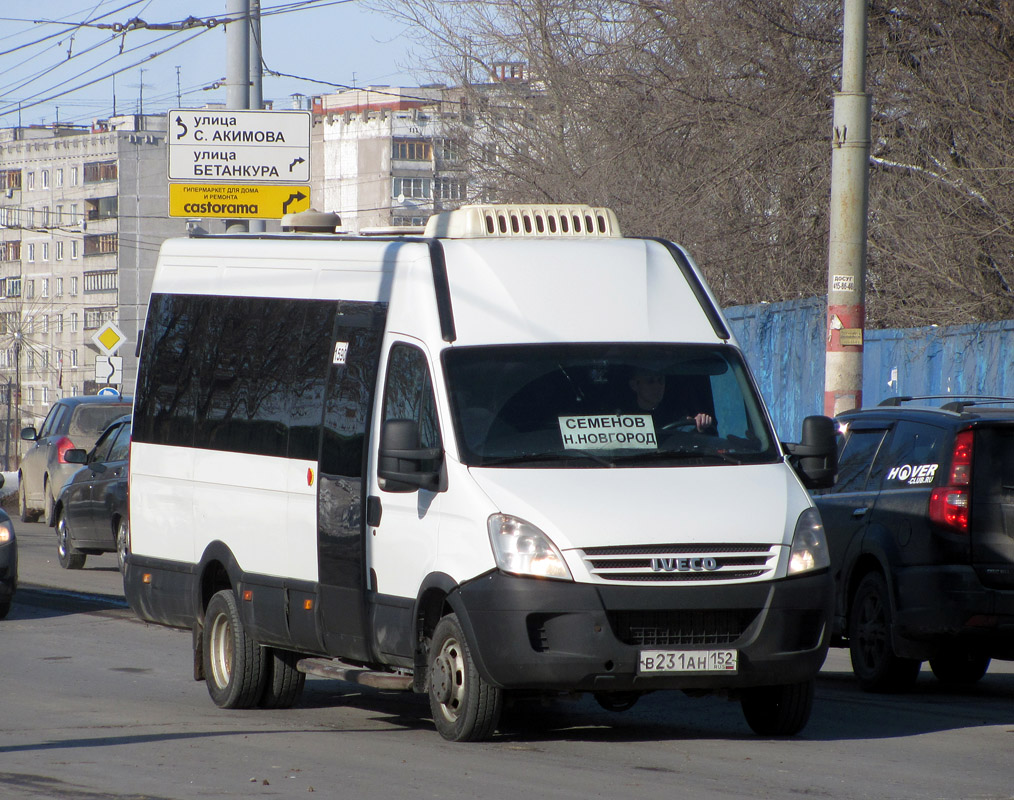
{"points": [[784, 344]]}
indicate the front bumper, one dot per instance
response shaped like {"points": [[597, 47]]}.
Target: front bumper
{"points": [[8, 570], [537, 634]]}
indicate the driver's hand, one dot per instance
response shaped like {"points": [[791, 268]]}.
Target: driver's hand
{"points": [[703, 421]]}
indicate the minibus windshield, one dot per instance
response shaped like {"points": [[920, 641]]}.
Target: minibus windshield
{"points": [[605, 405]]}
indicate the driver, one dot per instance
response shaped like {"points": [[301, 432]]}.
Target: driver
{"points": [[649, 389]]}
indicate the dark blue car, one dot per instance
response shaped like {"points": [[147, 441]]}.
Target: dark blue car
{"points": [[8, 561], [90, 513]]}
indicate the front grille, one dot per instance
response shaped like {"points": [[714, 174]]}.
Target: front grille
{"points": [[680, 563], [680, 628]]}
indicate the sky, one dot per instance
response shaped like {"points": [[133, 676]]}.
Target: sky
{"points": [[58, 57]]}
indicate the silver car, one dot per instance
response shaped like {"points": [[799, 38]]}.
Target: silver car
{"points": [[72, 423]]}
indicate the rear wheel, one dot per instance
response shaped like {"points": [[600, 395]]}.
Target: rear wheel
{"points": [[69, 557], [50, 503], [778, 710], [465, 708], [23, 512], [873, 659], [234, 665], [122, 543], [960, 667], [284, 683]]}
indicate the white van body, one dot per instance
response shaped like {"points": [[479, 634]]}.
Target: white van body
{"points": [[572, 546]]}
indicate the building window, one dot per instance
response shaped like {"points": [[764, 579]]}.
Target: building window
{"points": [[73, 288], [73, 329], [95, 318], [29, 289], [59, 287], [73, 356], [447, 150], [45, 323], [73, 248], [31, 180], [45, 395], [45, 216], [45, 179], [45, 288], [31, 251], [448, 189], [31, 389], [415, 188], [100, 281], [59, 323], [10, 179], [100, 244], [59, 177], [100, 171], [10, 251], [411, 150], [10, 217], [59, 250], [30, 359], [45, 251], [13, 287]]}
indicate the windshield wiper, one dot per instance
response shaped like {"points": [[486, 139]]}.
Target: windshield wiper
{"points": [[503, 461]]}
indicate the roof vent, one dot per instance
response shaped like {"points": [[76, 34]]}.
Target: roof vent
{"points": [[311, 221], [524, 221]]}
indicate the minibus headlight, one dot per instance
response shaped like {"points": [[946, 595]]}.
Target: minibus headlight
{"points": [[809, 545], [522, 549]]}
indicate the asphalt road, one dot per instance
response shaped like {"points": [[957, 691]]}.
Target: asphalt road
{"points": [[96, 704]]}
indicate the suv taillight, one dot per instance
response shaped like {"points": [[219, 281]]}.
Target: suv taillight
{"points": [[62, 446], [948, 505]]}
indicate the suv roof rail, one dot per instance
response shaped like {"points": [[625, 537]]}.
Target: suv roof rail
{"points": [[957, 403]]}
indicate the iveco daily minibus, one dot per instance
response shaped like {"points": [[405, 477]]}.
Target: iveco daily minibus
{"points": [[514, 452]]}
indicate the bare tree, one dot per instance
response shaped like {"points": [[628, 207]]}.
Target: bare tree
{"points": [[709, 122]]}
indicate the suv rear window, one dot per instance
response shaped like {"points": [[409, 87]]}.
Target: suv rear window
{"points": [[912, 457]]}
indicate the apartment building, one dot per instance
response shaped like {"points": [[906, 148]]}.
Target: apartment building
{"points": [[82, 214], [387, 156]]}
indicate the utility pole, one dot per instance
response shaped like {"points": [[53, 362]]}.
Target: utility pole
{"points": [[256, 100], [237, 73], [846, 279]]}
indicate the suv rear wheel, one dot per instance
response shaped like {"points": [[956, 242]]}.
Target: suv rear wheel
{"points": [[873, 660]]}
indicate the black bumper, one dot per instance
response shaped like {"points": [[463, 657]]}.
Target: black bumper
{"points": [[537, 634], [936, 605]]}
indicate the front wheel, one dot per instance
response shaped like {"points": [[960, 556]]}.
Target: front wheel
{"points": [[873, 659], [778, 710], [465, 708], [122, 544], [234, 665], [69, 557], [50, 503]]}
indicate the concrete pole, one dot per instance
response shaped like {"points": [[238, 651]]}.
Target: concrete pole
{"points": [[237, 70], [256, 100], [846, 280]]}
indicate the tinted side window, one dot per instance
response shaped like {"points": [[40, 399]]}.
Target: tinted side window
{"points": [[409, 393], [121, 447], [856, 458], [104, 446], [53, 420], [912, 456]]}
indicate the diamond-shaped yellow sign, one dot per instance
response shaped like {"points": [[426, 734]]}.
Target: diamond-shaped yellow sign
{"points": [[109, 338]]}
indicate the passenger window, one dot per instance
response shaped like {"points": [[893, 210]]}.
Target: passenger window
{"points": [[103, 448], [855, 460], [121, 447], [911, 457], [52, 420], [409, 393]]}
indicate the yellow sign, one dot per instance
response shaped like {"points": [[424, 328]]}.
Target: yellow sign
{"points": [[108, 339], [225, 201], [851, 337]]}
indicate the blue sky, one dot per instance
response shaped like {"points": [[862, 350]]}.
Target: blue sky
{"points": [[46, 51]]}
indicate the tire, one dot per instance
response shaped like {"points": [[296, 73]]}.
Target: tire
{"points": [[50, 503], [778, 710], [960, 667], [234, 665], [122, 544], [283, 684], [873, 659], [465, 708], [23, 511], [5, 608], [65, 552]]}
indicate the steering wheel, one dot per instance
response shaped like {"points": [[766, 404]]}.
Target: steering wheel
{"points": [[686, 424]]}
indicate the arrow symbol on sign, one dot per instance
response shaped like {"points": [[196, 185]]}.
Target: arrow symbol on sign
{"points": [[179, 121], [292, 198], [297, 161]]}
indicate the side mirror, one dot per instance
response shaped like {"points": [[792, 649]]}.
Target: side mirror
{"points": [[403, 464], [815, 458], [76, 456], [29, 434]]}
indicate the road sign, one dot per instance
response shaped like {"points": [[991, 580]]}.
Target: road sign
{"points": [[108, 369], [239, 146], [108, 391], [108, 338], [228, 201]]}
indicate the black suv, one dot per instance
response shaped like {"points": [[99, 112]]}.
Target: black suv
{"points": [[920, 528]]}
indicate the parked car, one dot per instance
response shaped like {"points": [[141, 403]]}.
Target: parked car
{"points": [[73, 422], [8, 561], [90, 513], [920, 528]]}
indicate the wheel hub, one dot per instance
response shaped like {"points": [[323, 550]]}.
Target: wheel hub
{"points": [[441, 679]]}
